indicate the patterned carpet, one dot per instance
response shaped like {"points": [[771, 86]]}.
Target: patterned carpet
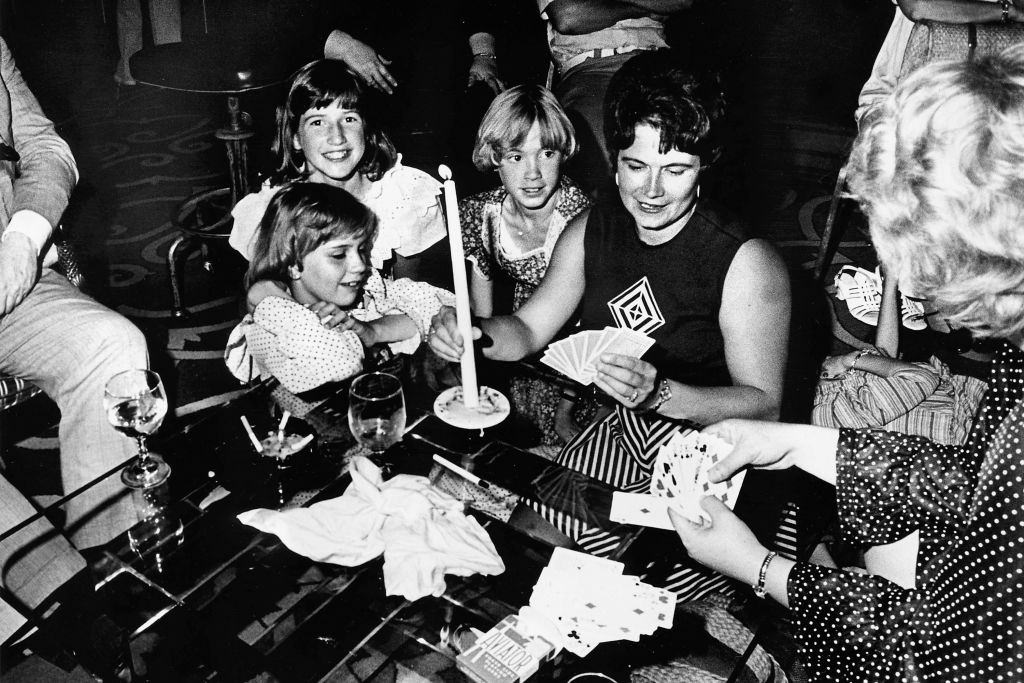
{"points": [[142, 150]]}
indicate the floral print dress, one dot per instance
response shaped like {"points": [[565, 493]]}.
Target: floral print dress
{"points": [[484, 236]]}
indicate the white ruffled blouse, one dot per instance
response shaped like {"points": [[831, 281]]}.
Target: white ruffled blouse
{"points": [[404, 199], [285, 339]]}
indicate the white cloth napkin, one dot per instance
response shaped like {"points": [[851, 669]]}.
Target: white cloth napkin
{"points": [[422, 532]]}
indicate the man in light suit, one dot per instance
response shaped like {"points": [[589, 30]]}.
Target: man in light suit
{"points": [[56, 337]]}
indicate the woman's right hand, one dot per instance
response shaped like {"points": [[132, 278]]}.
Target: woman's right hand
{"points": [[764, 445], [362, 59], [445, 339]]}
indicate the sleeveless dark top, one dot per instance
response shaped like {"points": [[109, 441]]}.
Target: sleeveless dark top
{"points": [[684, 280]]}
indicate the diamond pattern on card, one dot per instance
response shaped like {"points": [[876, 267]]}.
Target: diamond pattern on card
{"points": [[636, 308]]}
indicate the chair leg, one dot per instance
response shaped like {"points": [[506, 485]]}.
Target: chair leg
{"points": [[830, 237], [178, 248]]}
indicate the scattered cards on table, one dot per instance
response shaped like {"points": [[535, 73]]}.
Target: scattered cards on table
{"points": [[679, 480], [592, 601], [576, 356]]}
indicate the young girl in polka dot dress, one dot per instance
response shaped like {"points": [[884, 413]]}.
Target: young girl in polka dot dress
{"points": [[936, 168], [316, 302], [328, 132]]}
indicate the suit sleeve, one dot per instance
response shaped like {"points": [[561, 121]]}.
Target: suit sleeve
{"points": [[47, 172]]}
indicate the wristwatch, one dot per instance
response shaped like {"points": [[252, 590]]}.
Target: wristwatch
{"points": [[663, 396]]}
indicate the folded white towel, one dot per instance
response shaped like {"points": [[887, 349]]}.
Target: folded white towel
{"points": [[422, 532]]}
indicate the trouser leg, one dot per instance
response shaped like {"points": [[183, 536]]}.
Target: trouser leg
{"points": [[70, 345]]}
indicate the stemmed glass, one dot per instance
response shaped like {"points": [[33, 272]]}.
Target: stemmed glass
{"points": [[376, 411], [136, 404]]}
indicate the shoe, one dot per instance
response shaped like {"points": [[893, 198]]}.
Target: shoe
{"points": [[862, 292], [124, 80], [912, 312]]}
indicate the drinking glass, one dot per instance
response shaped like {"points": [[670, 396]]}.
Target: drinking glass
{"points": [[136, 404], [376, 411]]}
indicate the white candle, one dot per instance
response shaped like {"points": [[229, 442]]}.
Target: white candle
{"points": [[470, 391]]}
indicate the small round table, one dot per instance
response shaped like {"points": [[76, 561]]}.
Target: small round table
{"points": [[211, 65]]}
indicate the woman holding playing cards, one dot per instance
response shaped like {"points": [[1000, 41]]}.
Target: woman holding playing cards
{"points": [[937, 171], [660, 260]]}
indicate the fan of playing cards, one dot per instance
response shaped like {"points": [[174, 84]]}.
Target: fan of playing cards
{"points": [[592, 601], [576, 356], [680, 480]]}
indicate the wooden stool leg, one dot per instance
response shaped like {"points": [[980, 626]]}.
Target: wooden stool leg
{"points": [[831, 236]]}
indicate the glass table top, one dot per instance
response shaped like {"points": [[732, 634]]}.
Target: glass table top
{"points": [[215, 599]]}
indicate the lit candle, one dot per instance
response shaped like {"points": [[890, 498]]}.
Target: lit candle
{"points": [[470, 391]]}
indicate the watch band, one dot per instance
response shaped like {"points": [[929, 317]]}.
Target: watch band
{"points": [[759, 589]]}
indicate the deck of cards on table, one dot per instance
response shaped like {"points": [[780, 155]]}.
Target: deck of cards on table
{"points": [[591, 601], [679, 480], [576, 356]]}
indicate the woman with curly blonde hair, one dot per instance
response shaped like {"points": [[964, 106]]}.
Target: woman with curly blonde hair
{"points": [[937, 169]]}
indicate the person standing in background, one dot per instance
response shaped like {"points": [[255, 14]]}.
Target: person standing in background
{"points": [[590, 40], [164, 20]]}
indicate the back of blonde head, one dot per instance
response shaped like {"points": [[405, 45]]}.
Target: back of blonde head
{"points": [[938, 168]]}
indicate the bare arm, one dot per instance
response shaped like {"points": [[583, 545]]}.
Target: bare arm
{"points": [[887, 336], [548, 308], [537, 321], [390, 328], [754, 318], [481, 294], [956, 11]]}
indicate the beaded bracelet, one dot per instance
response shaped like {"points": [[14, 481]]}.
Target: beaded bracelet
{"points": [[860, 354]]}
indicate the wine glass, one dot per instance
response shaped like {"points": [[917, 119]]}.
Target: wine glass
{"points": [[136, 404], [376, 411]]}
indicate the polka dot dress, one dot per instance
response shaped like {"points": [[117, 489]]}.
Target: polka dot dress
{"points": [[285, 339], [965, 619]]}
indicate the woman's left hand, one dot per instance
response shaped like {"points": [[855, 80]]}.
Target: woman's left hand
{"points": [[485, 70], [726, 544], [626, 379]]}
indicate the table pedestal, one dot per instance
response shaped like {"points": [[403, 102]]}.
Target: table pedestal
{"points": [[207, 215]]}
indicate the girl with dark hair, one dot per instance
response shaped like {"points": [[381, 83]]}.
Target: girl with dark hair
{"points": [[328, 133], [316, 301]]}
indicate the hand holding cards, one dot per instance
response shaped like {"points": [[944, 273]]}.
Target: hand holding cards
{"points": [[680, 480], [577, 356], [592, 601]]}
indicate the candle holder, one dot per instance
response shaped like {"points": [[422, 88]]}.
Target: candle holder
{"points": [[492, 407]]}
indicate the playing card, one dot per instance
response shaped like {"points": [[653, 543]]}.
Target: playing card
{"points": [[642, 509], [601, 340], [630, 343], [591, 601], [681, 472], [565, 560], [576, 356]]}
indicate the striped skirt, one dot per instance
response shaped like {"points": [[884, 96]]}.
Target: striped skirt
{"points": [[620, 450]]}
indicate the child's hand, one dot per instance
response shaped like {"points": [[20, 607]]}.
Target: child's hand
{"points": [[331, 315], [835, 367], [261, 290], [335, 318], [367, 332]]}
